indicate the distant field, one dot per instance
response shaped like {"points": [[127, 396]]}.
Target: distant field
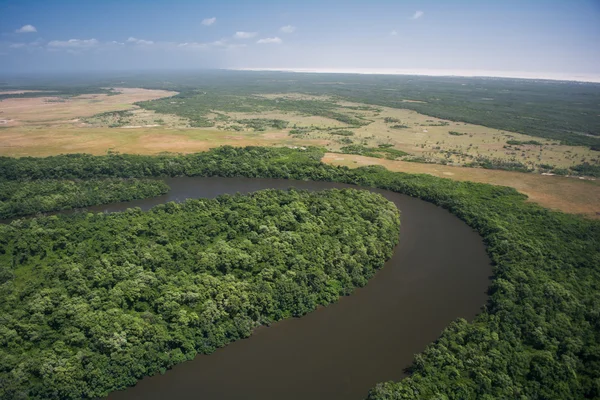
{"points": [[571, 195], [320, 118], [97, 123], [20, 111], [199, 120]]}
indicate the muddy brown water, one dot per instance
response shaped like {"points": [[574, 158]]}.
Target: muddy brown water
{"points": [[439, 272]]}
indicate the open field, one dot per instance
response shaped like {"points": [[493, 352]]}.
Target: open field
{"points": [[293, 119], [97, 123], [52, 140], [423, 137], [52, 110], [571, 195], [430, 138]]}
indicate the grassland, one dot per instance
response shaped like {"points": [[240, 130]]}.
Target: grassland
{"points": [[200, 120], [35, 111], [567, 194], [97, 123]]}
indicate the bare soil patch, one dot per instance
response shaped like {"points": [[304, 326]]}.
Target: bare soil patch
{"points": [[44, 110]]}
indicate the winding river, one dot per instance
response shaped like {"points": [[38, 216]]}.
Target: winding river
{"points": [[439, 272]]}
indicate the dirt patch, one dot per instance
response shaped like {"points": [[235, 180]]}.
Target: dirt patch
{"points": [[44, 110]]}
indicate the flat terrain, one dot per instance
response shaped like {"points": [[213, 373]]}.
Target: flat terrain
{"points": [[96, 123], [571, 195], [56, 110]]}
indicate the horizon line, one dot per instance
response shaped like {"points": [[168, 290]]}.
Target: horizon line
{"points": [[552, 76]]}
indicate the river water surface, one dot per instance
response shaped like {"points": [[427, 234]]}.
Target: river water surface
{"points": [[439, 272]]}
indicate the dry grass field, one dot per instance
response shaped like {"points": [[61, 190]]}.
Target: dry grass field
{"points": [[567, 194], [51, 140], [46, 126], [58, 110], [429, 137]]}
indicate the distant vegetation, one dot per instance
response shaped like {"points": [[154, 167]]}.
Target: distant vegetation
{"points": [[341, 132], [262, 124], [495, 163], [196, 105], [564, 111], [61, 91], [537, 337], [454, 133], [519, 142], [377, 152], [587, 170], [112, 119]]}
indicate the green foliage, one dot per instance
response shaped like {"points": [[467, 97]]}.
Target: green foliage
{"points": [[377, 152], [30, 197], [399, 126], [390, 120], [196, 105], [262, 124], [538, 337], [521, 142], [497, 163], [20, 198], [454, 133], [114, 119], [586, 169], [85, 311], [341, 132]]}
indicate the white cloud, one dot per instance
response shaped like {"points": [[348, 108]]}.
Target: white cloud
{"points": [[209, 21], [222, 43], [193, 46], [73, 43], [417, 15], [287, 29], [245, 35], [394, 33], [139, 41], [26, 29], [17, 45], [274, 40]]}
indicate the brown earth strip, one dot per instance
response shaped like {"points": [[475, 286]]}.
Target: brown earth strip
{"points": [[567, 194]]}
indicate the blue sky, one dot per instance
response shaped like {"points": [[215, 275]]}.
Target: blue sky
{"points": [[527, 35]]}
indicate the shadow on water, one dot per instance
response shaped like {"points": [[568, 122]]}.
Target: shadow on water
{"points": [[439, 272]]}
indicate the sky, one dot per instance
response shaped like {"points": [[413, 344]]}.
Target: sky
{"points": [[536, 37]]}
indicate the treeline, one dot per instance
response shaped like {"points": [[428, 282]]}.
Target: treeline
{"points": [[20, 198], [539, 335], [52, 91], [262, 124], [382, 151], [91, 303]]}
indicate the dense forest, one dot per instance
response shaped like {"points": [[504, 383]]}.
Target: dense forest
{"points": [[85, 311], [19, 198], [560, 110], [538, 337]]}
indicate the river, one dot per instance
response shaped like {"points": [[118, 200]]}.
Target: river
{"points": [[439, 272]]}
